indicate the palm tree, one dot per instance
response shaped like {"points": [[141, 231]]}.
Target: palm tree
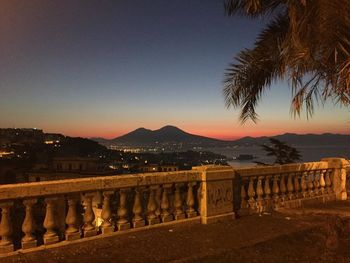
{"points": [[306, 42]]}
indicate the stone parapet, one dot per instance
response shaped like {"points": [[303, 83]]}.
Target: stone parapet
{"points": [[97, 206]]}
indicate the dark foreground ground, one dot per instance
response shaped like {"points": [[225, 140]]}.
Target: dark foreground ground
{"points": [[317, 234]]}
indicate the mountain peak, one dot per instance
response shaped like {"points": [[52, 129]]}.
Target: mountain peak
{"points": [[166, 134], [142, 129], [169, 128]]}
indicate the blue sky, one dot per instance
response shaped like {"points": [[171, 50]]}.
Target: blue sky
{"points": [[103, 68]]}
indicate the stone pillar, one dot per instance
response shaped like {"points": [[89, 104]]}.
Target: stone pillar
{"points": [[152, 218], [339, 166], [6, 244], [164, 204], [251, 193], [217, 196], [137, 220], [122, 222], [50, 225], [297, 185], [89, 216], [290, 187], [178, 203], [28, 226], [190, 211], [322, 181], [72, 231], [267, 191], [106, 214], [275, 190]]}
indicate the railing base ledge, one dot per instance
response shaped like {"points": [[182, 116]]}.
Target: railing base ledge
{"points": [[217, 218]]}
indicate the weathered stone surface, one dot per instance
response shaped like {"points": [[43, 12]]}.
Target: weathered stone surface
{"points": [[180, 216], [137, 224], [6, 249], [98, 183], [29, 244], [48, 240], [90, 233], [153, 221], [123, 226], [167, 218], [107, 230], [216, 193], [72, 236]]}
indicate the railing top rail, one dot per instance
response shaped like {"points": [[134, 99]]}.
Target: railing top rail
{"points": [[281, 169], [57, 187]]}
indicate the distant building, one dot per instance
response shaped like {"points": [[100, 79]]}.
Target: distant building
{"points": [[149, 168], [77, 164], [23, 135], [69, 168]]}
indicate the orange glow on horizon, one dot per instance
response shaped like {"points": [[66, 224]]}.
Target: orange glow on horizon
{"points": [[211, 134]]}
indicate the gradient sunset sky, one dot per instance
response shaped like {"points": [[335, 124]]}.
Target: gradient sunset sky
{"points": [[103, 68]]}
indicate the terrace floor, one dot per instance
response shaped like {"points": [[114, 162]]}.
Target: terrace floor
{"points": [[315, 233]]}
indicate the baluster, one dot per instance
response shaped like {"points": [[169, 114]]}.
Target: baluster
{"points": [[152, 206], [89, 216], [297, 185], [244, 203], [275, 190], [6, 244], [50, 235], [290, 187], [178, 203], [190, 212], [28, 226], [303, 184], [106, 214], [164, 205], [317, 182], [322, 182], [310, 184], [158, 201], [283, 188], [138, 220], [251, 193], [122, 222], [329, 182], [72, 231], [267, 190], [260, 193]]}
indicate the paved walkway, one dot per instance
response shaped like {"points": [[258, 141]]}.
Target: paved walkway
{"points": [[287, 237]]}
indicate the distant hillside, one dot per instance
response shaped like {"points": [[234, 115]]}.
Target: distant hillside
{"points": [[167, 134], [170, 134], [301, 139]]}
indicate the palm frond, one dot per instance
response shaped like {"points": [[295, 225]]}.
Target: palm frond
{"points": [[313, 53], [251, 8], [255, 70]]}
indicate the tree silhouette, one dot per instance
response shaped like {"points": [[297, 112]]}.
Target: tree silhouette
{"points": [[284, 153], [306, 42]]}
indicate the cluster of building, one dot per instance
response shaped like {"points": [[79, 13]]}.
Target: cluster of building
{"points": [[30, 155]]}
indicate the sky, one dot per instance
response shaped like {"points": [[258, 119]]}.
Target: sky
{"points": [[101, 68]]}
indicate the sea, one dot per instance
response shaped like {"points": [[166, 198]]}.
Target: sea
{"points": [[308, 153]]}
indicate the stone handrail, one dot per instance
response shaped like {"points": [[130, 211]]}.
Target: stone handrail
{"points": [[47, 188]]}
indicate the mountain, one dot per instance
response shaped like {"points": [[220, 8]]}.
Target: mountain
{"points": [[165, 135], [326, 139], [168, 135]]}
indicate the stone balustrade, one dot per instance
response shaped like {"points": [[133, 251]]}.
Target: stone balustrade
{"points": [[272, 187], [42, 213], [128, 201]]}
